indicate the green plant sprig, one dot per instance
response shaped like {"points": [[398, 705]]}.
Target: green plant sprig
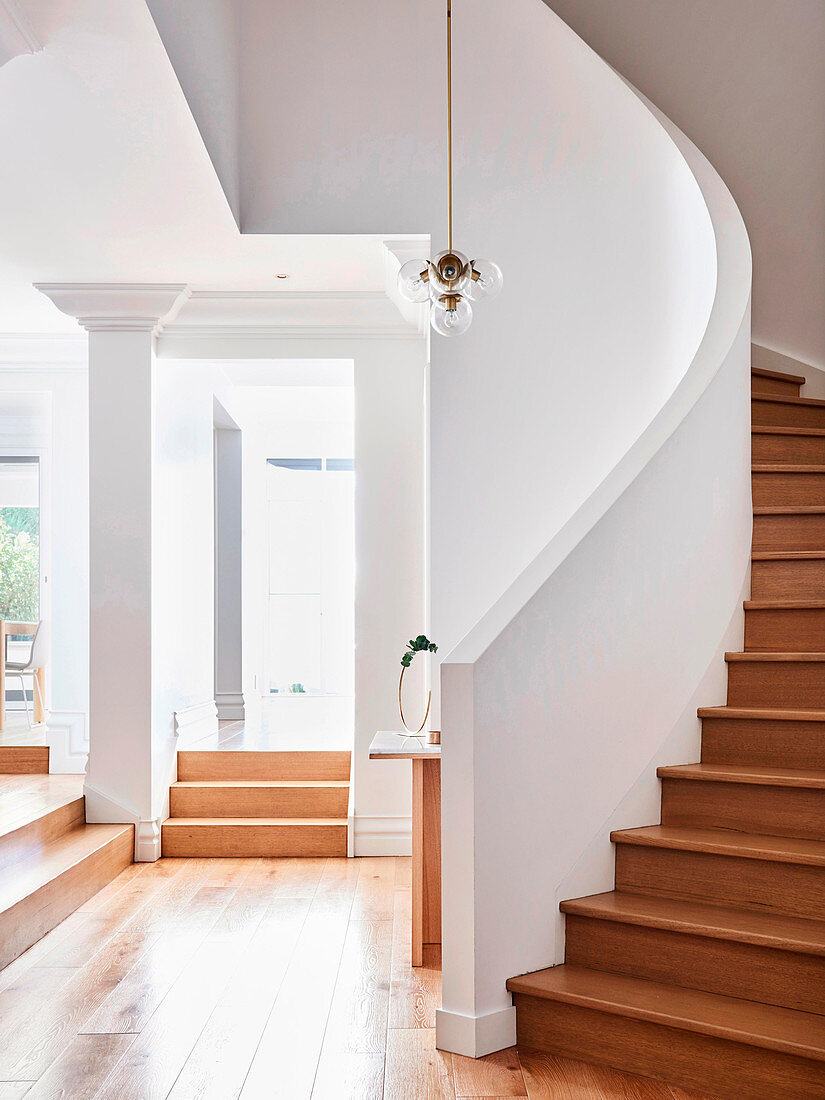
{"points": [[421, 644]]}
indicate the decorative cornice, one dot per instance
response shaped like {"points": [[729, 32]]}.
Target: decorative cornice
{"points": [[118, 307], [16, 34]]}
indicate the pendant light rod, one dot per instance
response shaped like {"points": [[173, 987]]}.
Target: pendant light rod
{"points": [[450, 125]]}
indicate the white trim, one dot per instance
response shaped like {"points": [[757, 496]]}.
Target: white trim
{"points": [[37, 351], [293, 332], [475, 1036], [230, 706], [67, 736], [195, 722], [101, 808], [119, 307], [16, 33], [382, 836]]}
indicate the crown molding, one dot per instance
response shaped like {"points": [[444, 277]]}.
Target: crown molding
{"points": [[16, 34], [118, 307]]}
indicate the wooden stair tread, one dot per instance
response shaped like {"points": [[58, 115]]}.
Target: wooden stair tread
{"points": [[744, 773], [768, 714], [763, 372], [26, 798], [780, 1029], [784, 605], [773, 930], [726, 842], [777, 429], [788, 555], [775, 658], [813, 402], [40, 868], [788, 509], [252, 822], [786, 468], [265, 784]]}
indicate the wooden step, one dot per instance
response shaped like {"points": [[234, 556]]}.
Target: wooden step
{"points": [[787, 412], [732, 1048], [785, 626], [776, 680], [776, 484], [262, 765], [771, 381], [763, 736], [32, 818], [720, 866], [789, 527], [788, 575], [777, 444], [224, 836], [24, 759], [264, 798], [772, 801], [38, 892], [760, 956]]}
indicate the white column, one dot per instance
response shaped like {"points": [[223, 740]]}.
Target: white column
{"points": [[122, 321]]}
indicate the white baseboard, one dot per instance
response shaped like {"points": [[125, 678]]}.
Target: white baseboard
{"points": [[195, 722], [475, 1036], [230, 706], [101, 808], [382, 836], [67, 736]]}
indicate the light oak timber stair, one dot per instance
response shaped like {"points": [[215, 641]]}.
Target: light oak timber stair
{"points": [[51, 861], [258, 803], [771, 382], [788, 412], [705, 966], [776, 444], [24, 760]]}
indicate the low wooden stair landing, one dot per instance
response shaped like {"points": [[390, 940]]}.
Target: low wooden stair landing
{"points": [[258, 803], [51, 861], [705, 967]]}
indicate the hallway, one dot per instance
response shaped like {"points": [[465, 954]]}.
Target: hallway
{"points": [[255, 978]]}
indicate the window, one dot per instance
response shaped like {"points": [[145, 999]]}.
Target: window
{"points": [[20, 538]]}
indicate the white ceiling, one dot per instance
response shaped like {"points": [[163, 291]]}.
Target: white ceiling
{"points": [[106, 178]]}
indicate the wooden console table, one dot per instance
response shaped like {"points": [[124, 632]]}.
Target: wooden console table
{"points": [[426, 832]]}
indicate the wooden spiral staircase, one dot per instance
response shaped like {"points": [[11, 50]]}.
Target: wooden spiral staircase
{"points": [[705, 967]]}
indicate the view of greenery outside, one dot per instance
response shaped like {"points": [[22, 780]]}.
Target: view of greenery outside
{"points": [[20, 564]]}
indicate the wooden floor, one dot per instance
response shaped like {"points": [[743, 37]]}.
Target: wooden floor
{"points": [[215, 978]]}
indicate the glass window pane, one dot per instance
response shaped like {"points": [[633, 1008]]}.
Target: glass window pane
{"points": [[294, 645], [20, 539]]}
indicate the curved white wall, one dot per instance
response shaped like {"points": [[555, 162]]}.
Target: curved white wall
{"points": [[590, 465]]}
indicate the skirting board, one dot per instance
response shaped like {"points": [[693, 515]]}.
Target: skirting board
{"points": [[475, 1036], [382, 836], [67, 736], [101, 808], [195, 722], [230, 706]]}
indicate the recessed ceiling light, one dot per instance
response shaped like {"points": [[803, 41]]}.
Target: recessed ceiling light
{"points": [[282, 275]]}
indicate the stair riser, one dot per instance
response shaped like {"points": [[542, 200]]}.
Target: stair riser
{"points": [[803, 449], [788, 580], [785, 978], [43, 830], [764, 743], [774, 489], [37, 914], [789, 532], [795, 630], [258, 841], [307, 766], [776, 414], [728, 1071], [783, 684], [259, 802], [762, 885], [774, 386], [24, 760], [771, 811]]}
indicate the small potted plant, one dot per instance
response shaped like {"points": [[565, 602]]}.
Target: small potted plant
{"points": [[421, 644]]}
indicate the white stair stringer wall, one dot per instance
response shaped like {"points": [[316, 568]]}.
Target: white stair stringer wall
{"points": [[619, 374]]}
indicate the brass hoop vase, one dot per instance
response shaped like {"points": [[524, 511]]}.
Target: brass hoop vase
{"points": [[409, 729]]}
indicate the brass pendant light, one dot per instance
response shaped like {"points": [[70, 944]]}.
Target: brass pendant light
{"points": [[449, 281]]}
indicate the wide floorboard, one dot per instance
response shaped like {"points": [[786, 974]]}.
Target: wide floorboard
{"points": [[253, 978]]}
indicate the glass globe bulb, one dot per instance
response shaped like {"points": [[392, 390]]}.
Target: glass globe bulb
{"points": [[489, 282], [410, 284], [451, 322], [450, 271]]}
